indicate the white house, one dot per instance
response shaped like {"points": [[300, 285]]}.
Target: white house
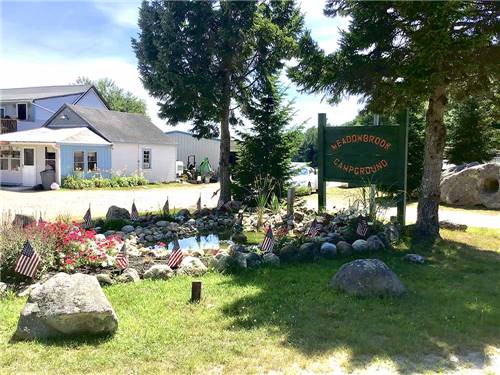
{"points": [[88, 141], [30, 107]]}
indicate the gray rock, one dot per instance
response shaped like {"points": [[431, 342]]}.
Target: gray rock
{"points": [[3, 289], [129, 275], [23, 220], [328, 250], [159, 272], [115, 212], [308, 251], [104, 279], [367, 277], [66, 305], [109, 233], [472, 186], [221, 262], [391, 232], [239, 259], [162, 223], [375, 243], [360, 246], [191, 266], [253, 260], [344, 248], [289, 252], [415, 258], [334, 237], [184, 213], [27, 290], [127, 228], [271, 259], [239, 237]]}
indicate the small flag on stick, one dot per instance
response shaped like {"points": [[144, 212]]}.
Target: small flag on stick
{"points": [[28, 261], [176, 256], [134, 214], [122, 258], [313, 229], [87, 219], [362, 226], [166, 208], [198, 204], [268, 243]]}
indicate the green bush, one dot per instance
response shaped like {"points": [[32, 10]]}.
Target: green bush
{"points": [[76, 182]]}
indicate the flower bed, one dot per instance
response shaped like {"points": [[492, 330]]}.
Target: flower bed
{"points": [[78, 182]]}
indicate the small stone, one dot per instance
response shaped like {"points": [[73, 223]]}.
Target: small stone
{"points": [[104, 279], [191, 266], [344, 248], [127, 228], [159, 272], [308, 251], [415, 258], [161, 223], [271, 259], [289, 252], [253, 260], [221, 262], [328, 250], [360, 246], [374, 243], [239, 259], [3, 289], [129, 275]]}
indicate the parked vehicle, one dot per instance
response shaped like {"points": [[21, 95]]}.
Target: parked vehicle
{"points": [[304, 176]]}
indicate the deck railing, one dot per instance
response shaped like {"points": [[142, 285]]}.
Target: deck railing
{"points": [[8, 125]]}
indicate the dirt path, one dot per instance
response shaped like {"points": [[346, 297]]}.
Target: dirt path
{"points": [[74, 203]]}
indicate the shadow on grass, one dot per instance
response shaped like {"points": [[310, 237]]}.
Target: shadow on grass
{"points": [[451, 307], [69, 342]]}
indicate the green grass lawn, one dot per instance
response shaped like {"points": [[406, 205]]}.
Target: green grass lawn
{"points": [[286, 319]]}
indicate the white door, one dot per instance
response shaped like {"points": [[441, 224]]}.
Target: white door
{"points": [[29, 169]]}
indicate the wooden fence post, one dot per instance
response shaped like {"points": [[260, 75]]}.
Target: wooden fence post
{"points": [[290, 198], [196, 291]]}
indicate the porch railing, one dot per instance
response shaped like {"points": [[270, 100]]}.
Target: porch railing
{"points": [[8, 125]]}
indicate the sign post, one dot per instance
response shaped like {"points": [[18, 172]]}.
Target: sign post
{"points": [[364, 155]]}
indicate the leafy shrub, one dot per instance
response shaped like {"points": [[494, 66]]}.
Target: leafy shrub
{"points": [[61, 246], [112, 224], [77, 182]]}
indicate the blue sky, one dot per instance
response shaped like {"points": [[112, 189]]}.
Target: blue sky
{"points": [[54, 42]]}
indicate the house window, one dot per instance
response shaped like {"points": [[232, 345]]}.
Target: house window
{"points": [[29, 156], [50, 158], [15, 161], [92, 161], [4, 160], [78, 163], [22, 111], [2, 112], [146, 159]]}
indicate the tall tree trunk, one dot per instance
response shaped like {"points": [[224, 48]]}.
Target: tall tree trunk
{"points": [[430, 192], [225, 141]]}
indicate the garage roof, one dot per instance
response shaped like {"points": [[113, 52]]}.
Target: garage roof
{"points": [[81, 135]]}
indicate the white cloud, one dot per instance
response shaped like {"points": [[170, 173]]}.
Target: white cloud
{"points": [[121, 12]]}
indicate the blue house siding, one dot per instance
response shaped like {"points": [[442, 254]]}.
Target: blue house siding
{"points": [[103, 159]]}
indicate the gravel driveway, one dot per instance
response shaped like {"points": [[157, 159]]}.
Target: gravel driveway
{"points": [[74, 203]]}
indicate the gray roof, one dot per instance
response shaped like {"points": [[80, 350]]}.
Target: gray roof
{"points": [[120, 127], [32, 93]]}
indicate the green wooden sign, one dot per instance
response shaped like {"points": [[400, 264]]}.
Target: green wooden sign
{"points": [[363, 155]]}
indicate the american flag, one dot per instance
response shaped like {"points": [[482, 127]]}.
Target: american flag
{"points": [[362, 226], [268, 243], [122, 258], [176, 256], [166, 208], [313, 229], [87, 219], [134, 214], [198, 204], [220, 203], [28, 261]]}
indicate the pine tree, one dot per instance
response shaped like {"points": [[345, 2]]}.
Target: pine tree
{"points": [[266, 150]]}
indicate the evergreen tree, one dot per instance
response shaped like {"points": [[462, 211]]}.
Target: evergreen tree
{"points": [[266, 149], [203, 59], [400, 52], [472, 136], [308, 150]]}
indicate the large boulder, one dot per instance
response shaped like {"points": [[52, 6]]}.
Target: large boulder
{"points": [[221, 262], [271, 259], [472, 186], [66, 305], [115, 212], [159, 272], [367, 277], [191, 266]]}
